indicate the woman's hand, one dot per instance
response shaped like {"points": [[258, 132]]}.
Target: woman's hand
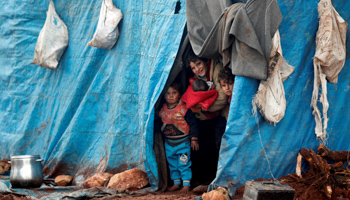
{"points": [[194, 145], [196, 109]]}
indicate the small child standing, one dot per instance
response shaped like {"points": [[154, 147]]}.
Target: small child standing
{"points": [[226, 79], [181, 133]]}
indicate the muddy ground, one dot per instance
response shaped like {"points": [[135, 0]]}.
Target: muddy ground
{"points": [[177, 195], [165, 195], [302, 192]]}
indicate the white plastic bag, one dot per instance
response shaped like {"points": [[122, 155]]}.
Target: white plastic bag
{"points": [[270, 98], [329, 59], [107, 32], [52, 40]]}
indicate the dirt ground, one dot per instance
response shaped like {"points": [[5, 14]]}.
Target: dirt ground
{"points": [[177, 195], [165, 195], [302, 192], [11, 197]]}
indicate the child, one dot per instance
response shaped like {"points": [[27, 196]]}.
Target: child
{"points": [[181, 132], [226, 79], [200, 85]]}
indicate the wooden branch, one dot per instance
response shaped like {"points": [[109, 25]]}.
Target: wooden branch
{"points": [[321, 163], [337, 167], [305, 153], [327, 190], [298, 167], [325, 177], [333, 155], [317, 163]]}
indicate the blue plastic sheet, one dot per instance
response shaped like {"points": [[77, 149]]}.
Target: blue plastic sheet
{"points": [[95, 111], [242, 154]]}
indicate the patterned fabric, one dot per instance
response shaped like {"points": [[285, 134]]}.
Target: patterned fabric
{"points": [[174, 123]]}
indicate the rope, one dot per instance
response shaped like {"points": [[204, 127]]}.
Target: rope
{"points": [[261, 143]]}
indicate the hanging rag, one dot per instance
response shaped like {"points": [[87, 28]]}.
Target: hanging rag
{"points": [[270, 98], [250, 29], [329, 59]]}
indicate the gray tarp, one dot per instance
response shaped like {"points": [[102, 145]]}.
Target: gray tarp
{"points": [[203, 16], [243, 31]]}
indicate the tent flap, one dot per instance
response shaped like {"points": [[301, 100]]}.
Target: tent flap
{"points": [[251, 148]]}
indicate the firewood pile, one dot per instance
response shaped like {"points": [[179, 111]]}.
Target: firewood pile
{"points": [[325, 177], [322, 181]]}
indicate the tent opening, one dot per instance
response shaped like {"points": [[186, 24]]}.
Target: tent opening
{"points": [[204, 161]]}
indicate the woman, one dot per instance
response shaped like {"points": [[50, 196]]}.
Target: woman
{"points": [[207, 71], [211, 125]]}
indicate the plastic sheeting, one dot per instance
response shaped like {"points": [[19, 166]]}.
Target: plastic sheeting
{"points": [[91, 114], [242, 156], [95, 111]]}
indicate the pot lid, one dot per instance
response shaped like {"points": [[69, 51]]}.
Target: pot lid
{"points": [[25, 156]]}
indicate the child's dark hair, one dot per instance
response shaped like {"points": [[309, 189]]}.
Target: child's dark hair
{"points": [[192, 57], [200, 85], [176, 86], [226, 75]]}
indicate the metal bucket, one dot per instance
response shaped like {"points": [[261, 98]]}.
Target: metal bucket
{"points": [[26, 171]]}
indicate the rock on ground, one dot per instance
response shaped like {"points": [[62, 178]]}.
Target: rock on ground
{"points": [[63, 180], [219, 193], [132, 179], [4, 166], [97, 180]]}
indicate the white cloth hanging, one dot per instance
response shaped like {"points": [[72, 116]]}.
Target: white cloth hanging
{"points": [[270, 98], [329, 59]]}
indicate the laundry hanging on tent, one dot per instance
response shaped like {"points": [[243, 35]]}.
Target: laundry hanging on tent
{"points": [[52, 40], [329, 59]]}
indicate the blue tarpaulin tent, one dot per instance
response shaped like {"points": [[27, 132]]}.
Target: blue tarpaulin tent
{"points": [[95, 112]]}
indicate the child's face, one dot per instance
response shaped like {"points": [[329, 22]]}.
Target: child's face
{"points": [[199, 67], [227, 87], [172, 97]]}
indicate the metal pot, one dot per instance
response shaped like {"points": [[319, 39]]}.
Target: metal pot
{"points": [[26, 171]]}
